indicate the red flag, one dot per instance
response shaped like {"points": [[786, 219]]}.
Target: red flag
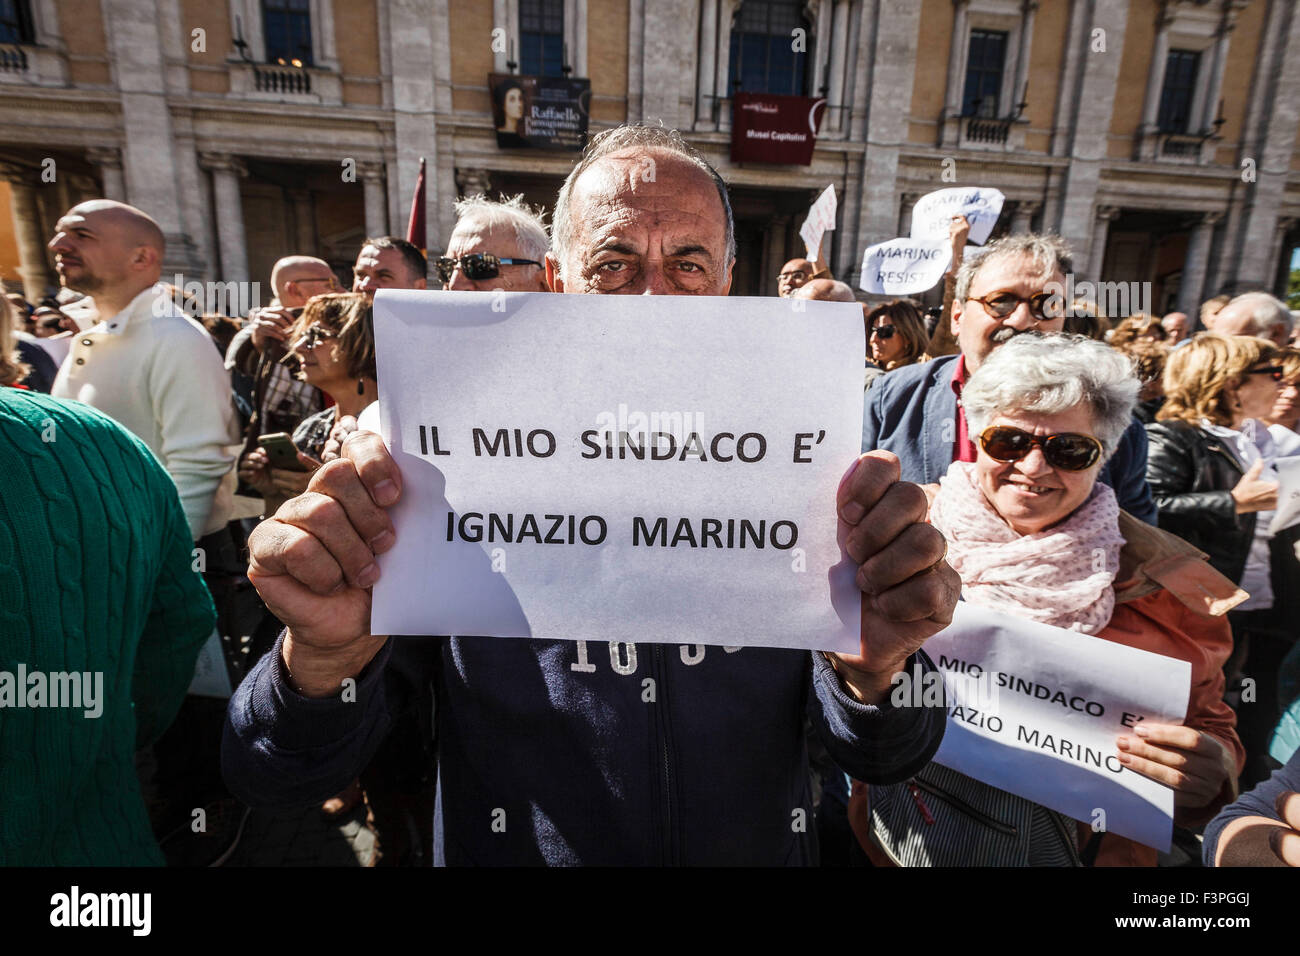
{"points": [[415, 233]]}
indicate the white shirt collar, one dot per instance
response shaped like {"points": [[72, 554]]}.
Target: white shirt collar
{"points": [[153, 302]]}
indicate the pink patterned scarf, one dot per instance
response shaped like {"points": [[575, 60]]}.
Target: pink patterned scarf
{"points": [[1063, 576]]}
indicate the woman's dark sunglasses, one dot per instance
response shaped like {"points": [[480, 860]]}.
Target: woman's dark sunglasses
{"points": [[1068, 452], [883, 332], [478, 265], [1043, 306], [1276, 371]]}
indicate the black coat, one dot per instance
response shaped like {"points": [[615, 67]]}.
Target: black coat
{"points": [[1192, 475]]}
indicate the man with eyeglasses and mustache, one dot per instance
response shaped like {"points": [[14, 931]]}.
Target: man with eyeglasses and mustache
{"points": [[1013, 285]]}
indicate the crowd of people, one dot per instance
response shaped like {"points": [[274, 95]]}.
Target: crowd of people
{"points": [[178, 479]]}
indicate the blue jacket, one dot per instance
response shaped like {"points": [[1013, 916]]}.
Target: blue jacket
{"points": [[912, 411], [1260, 802], [560, 752]]}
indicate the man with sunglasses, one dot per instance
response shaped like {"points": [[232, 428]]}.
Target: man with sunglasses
{"points": [[567, 754], [495, 245], [1013, 285]]}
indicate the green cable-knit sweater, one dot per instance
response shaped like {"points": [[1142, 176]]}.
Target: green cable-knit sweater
{"points": [[96, 577]]}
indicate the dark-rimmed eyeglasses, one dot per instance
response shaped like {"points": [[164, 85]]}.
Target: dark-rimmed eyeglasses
{"points": [[796, 274], [1043, 306], [883, 332], [1276, 371], [1067, 451], [477, 266]]}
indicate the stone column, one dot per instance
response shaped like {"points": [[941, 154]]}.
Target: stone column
{"points": [[957, 58], [473, 182], [1020, 88], [708, 64], [1155, 84], [1022, 219], [109, 161], [1194, 266], [34, 265], [1222, 37], [839, 64], [1101, 227], [1284, 225], [229, 210], [419, 41], [905, 213], [304, 222], [774, 256], [1073, 215], [372, 181]]}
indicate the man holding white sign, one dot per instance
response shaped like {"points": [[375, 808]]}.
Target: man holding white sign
{"points": [[547, 755]]}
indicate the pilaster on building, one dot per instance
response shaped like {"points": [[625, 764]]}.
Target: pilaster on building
{"points": [[1156, 136]]}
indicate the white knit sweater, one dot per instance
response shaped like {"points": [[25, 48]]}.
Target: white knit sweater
{"points": [[156, 371]]}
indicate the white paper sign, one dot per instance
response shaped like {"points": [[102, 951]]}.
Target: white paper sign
{"points": [[904, 266], [619, 468], [1035, 710], [821, 219], [933, 212], [1287, 512]]}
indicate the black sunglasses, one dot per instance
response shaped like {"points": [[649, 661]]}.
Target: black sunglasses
{"points": [[478, 265], [1044, 306], [1276, 371], [883, 332], [1068, 452]]}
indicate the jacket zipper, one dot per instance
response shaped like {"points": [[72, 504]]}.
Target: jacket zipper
{"points": [[958, 804], [668, 854]]}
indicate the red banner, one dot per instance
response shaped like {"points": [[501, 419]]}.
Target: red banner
{"points": [[774, 129]]}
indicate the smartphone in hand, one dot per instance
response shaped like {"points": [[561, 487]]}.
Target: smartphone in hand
{"points": [[281, 451]]}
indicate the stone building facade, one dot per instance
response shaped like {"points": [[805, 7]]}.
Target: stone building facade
{"points": [[1157, 136]]}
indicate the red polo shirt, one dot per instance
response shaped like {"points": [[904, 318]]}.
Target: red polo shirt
{"points": [[963, 448]]}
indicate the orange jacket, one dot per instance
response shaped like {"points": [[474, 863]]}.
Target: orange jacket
{"points": [[1168, 600]]}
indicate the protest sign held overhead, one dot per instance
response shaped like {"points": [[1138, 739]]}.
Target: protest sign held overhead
{"points": [[933, 212], [1287, 512], [655, 476], [904, 266], [1036, 710], [821, 219]]}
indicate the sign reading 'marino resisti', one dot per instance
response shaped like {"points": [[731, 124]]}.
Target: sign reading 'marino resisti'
{"points": [[543, 112], [774, 129]]}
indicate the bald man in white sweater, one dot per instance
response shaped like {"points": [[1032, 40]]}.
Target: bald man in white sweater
{"points": [[140, 360]]}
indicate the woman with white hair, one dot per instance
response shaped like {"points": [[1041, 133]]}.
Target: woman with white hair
{"points": [[1033, 534]]}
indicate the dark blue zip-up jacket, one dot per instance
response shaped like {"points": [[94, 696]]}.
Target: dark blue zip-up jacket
{"points": [[562, 752]]}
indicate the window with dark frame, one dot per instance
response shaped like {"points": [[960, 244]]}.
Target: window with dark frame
{"points": [[286, 25], [541, 37], [762, 58], [985, 62], [16, 22], [1181, 67]]}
